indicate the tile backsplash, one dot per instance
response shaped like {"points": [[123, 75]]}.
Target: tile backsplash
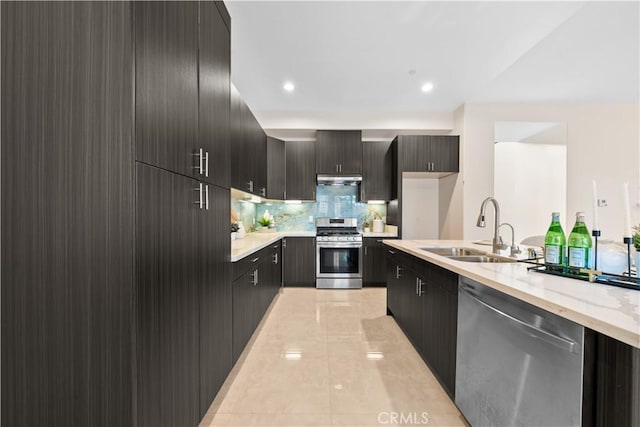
{"points": [[331, 201]]}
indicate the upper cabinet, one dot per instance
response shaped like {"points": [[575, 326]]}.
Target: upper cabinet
{"points": [[215, 85], [300, 170], [249, 149], [428, 153], [275, 168], [377, 172], [166, 85], [339, 152], [182, 89]]}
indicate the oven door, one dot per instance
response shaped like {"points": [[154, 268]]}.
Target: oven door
{"points": [[339, 259]]}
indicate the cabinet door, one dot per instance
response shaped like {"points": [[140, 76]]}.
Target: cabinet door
{"points": [[214, 97], [168, 277], [275, 168], [215, 295], [299, 261], [375, 262], [444, 153], [393, 282], [349, 152], [66, 214], [243, 311], [326, 152], [377, 171], [166, 70], [300, 170], [240, 158], [413, 152]]}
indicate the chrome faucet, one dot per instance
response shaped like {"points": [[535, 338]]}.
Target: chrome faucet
{"points": [[513, 249], [497, 241]]}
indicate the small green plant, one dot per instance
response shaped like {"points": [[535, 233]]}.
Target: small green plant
{"points": [[266, 219], [636, 237], [234, 227]]}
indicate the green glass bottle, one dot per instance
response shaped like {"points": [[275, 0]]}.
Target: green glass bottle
{"points": [[579, 244], [555, 244]]}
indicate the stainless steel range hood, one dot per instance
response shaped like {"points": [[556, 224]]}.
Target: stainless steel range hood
{"points": [[339, 179]]}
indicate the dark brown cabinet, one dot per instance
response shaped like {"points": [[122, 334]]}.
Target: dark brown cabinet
{"points": [[423, 298], [378, 179], [214, 69], [166, 86], [215, 294], [275, 168], [374, 262], [428, 153], [257, 280], [67, 267], [168, 278], [299, 261], [339, 152], [300, 170], [116, 296], [249, 149]]}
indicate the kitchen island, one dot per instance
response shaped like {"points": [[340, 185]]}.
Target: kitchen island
{"points": [[423, 296]]}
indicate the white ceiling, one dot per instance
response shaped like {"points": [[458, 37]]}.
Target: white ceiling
{"points": [[351, 61]]}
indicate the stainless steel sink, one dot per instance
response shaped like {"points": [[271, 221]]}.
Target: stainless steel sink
{"points": [[480, 258], [452, 252]]}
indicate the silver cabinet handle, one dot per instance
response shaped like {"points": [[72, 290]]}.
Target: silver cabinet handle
{"points": [[275, 258], [254, 277], [263, 192], [391, 252], [284, 243], [420, 287], [340, 167], [255, 259], [365, 250], [553, 339], [250, 185], [417, 281], [284, 195], [200, 156], [199, 202], [206, 164], [206, 196], [337, 168], [398, 270]]}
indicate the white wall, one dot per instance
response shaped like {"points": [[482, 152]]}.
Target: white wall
{"points": [[420, 208], [603, 143], [530, 183]]}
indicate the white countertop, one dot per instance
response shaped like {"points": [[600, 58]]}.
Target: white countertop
{"points": [[389, 231], [253, 242], [607, 309]]}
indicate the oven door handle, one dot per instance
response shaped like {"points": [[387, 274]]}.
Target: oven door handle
{"points": [[334, 245]]}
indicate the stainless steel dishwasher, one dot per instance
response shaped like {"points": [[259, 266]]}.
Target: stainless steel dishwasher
{"points": [[517, 365]]}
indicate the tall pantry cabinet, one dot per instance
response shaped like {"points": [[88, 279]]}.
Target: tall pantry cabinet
{"points": [[116, 292]]}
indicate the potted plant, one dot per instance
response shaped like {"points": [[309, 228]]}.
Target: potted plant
{"points": [[234, 230], [367, 226], [266, 221]]}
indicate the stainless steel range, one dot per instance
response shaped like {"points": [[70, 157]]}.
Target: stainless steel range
{"points": [[338, 253]]}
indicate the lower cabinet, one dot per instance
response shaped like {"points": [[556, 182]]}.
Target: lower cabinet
{"points": [[257, 279], [423, 298], [374, 271], [299, 261]]}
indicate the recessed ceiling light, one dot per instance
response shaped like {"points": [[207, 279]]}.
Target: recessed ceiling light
{"points": [[427, 87], [288, 86]]}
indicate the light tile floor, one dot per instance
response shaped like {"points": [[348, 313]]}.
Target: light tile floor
{"points": [[331, 358]]}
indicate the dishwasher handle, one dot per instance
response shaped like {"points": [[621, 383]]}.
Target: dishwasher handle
{"points": [[553, 339]]}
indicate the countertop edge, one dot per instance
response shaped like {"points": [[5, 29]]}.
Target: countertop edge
{"points": [[262, 240], [598, 324]]}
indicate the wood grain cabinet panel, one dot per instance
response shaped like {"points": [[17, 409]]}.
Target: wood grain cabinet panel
{"points": [[166, 77], [300, 180], [214, 73], [66, 214], [299, 261], [377, 171]]}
